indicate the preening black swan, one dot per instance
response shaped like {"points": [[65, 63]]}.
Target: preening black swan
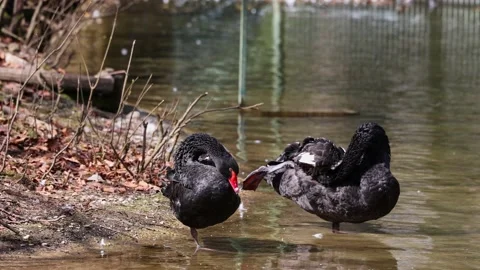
{"points": [[352, 186], [202, 188]]}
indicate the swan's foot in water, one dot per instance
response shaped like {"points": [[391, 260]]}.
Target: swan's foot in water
{"points": [[336, 228], [194, 234]]}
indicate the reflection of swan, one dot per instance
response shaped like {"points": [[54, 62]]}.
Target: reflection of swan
{"points": [[353, 186], [335, 253]]}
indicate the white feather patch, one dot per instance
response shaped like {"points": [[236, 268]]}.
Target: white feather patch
{"points": [[307, 158]]}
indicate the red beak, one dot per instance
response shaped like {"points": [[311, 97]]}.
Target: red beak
{"points": [[233, 181]]}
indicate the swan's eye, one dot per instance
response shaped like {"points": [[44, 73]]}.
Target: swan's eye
{"points": [[206, 159]]}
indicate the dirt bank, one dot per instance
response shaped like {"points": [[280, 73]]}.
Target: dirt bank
{"points": [[67, 222]]}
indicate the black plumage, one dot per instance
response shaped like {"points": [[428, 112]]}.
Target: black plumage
{"points": [[353, 186], [202, 187]]}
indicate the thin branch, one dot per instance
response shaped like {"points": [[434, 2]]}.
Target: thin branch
{"points": [[2, 8], [9, 33], [128, 70], [37, 68], [108, 48], [33, 22], [226, 109], [174, 130], [123, 95], [6, 225], [9, 128], [59, 46], [121, 161], [77, 133], [144, 146]]}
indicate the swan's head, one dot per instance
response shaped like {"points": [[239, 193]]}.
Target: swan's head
{"points": [[204, 150], [370, 144]]}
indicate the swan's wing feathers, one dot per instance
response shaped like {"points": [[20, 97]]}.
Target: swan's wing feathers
{"points": [[322, 154], [175, 184], [289, 153]]}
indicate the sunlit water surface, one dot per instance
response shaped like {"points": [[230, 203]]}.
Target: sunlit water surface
{"points": [[415, 74]]}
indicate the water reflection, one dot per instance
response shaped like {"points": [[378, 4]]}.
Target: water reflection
{"points": [[248, 253], [415, 73]]}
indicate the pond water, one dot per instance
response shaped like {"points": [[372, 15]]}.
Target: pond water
{"points": [[417, 74]]}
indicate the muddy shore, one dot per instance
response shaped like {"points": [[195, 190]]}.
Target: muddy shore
{"points": [[69, 223]]}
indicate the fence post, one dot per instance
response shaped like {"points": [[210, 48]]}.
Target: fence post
{"points": [[242, 62]]}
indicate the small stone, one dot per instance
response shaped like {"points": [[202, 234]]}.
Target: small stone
{"points": [[96, 14], [95, 178], [44, 244]]}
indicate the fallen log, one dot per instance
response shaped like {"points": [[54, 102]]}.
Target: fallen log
{"points": [[67, 82], [294, 114]]}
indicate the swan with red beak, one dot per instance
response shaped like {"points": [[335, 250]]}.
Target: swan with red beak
{"points": [[203, 185]]}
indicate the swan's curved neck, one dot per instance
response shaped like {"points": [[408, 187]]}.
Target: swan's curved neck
{"points": [[363, 153]]}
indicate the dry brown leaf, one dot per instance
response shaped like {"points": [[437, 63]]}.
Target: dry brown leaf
{"points": [[141, 188], [39, 147], [71, 159], [129, 184], [20, 138], [108, 189], [54, 144]]}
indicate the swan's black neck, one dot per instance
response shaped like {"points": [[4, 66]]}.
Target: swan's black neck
{"points": [[369, 146]]}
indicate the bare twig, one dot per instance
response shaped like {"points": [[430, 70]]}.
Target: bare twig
{"points": [[174, 142], [123, 95], [77, 133], [9, 127], [33, 22], [2, 8], [9, 33], [121, 161], [144, 146], [255, 106], [6, 225], [175, 129], [187, 118], [37, 68], [11, 214]]}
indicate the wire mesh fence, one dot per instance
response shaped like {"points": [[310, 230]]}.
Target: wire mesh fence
{"points": [[368, 40]]}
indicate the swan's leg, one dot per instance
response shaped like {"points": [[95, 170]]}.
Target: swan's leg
{"points": [[194, 234], [336, 227]]}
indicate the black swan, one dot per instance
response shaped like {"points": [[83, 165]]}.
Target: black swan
{"points": [[352, 186], [202, 187]]}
